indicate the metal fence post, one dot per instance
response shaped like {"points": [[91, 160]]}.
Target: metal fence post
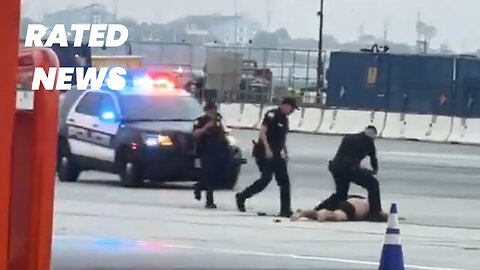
{"points": [[294, 68], [264, 66], [282, 68], [162, 53], [307, 80], [192, 59]]}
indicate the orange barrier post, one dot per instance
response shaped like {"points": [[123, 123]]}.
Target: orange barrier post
{"points": [[33, 170], [9, 30], [45, 150]]}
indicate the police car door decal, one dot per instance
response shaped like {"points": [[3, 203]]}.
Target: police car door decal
{"points": [[102, 147], [106, 129], [79, 124], [78, 133], [85, 129]]}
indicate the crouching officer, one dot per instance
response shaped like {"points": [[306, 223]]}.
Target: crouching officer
{"points": [[213, 152], [271, 156], [345, 169]]}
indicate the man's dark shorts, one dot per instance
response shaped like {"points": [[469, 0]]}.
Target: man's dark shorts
{"points": [[348, 209]]}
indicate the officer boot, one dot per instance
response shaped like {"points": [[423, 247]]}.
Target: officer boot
{"points": [[285, 204], [197, 192], [240, 200], [210, 203]]}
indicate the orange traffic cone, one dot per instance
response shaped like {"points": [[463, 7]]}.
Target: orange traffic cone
{"points": [[392, 255]]}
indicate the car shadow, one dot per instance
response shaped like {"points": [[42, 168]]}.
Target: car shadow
{"points": [[147, 185]]}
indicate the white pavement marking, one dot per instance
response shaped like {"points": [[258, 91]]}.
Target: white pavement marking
{"points": [[301, 257], [263, 254]]}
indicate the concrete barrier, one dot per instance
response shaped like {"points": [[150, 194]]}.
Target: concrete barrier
{"points": [[391, 125], [417, 127], [328, 120], [312, 118], [465, 130], [440, 129], [295, 120], [250, 116], [396, 125], [352, 121], [231, 114]]}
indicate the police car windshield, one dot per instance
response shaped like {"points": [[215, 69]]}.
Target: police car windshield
{"points": [[160, 108]]}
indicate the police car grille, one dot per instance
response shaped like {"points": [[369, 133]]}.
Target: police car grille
{"points": [[184, 142]]}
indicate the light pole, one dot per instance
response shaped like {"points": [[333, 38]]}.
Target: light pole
{"points": [[320, 78]]}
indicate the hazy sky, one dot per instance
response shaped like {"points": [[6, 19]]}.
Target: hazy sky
{"points": [[456, 20]]}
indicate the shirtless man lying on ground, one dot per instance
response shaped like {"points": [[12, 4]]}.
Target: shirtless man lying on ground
{"points": [[356, 208]]}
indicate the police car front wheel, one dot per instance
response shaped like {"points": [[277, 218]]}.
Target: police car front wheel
{"points": [[68, 171], [130, 175]]}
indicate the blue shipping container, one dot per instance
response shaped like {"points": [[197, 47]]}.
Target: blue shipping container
{"points": [[467, 87], [421, 84], [358, 80]]}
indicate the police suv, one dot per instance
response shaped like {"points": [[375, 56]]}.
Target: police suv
{"points": [[144, 131]]}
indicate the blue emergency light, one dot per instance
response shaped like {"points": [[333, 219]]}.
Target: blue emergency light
{"points": [[108, 116]]}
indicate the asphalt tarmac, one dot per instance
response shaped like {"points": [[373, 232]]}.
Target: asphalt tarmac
{"points": [[100, 225]]}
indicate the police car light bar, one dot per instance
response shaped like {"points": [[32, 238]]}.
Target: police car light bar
{"points": [[150, 81], [163, 84], [155, 83], [144, 81]]}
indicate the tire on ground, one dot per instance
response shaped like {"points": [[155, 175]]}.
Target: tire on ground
{"points": [[130, 172], [232, 178], [67, 169]]}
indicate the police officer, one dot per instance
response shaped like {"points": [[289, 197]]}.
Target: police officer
{"points": [[345, 168], [212, 150], [271, 155]]}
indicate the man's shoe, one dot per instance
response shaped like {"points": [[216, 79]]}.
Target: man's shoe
{"points": [[240, 202], [198, 194], [211, 206]]}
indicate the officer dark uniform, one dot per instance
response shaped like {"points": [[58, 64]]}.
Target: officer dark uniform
{"points": [[345, 168], [213, 152], [275, 126]]}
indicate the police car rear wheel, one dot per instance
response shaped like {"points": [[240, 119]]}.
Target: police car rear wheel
{"points": [[130, 175]]}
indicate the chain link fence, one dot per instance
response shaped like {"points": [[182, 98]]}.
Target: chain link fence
{"points": [[234, 74]]}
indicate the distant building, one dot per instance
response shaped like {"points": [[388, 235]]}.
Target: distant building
{"points": [[239, 31], [230, 30], [91, 14]]}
